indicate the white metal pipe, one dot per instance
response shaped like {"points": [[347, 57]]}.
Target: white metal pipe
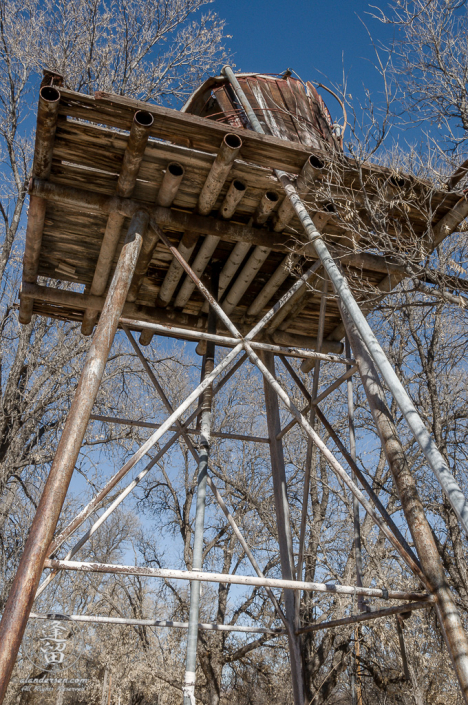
{"points": [[209, 627], [426, 442], [228, 578], [205, 421]]}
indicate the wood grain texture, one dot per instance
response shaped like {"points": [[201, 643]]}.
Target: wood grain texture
{"points": [[89, 147]]}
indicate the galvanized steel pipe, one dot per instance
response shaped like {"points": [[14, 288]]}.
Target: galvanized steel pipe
{"points": [[209, 627], [234, 579], [202, 477], [431, 452]]}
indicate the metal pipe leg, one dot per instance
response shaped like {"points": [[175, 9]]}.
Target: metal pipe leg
{"points": [[413, 509], [18, 606], [197, 560], [355, 671], [426, 442], [284, 528], [356, 519]]}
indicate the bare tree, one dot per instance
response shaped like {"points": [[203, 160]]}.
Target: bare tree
{"points": [[152, 50]]}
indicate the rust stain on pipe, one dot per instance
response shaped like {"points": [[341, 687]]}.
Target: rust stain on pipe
{"points": [[266, 206], [235, 194], [23, 590], [413, 509], [235, 579]]}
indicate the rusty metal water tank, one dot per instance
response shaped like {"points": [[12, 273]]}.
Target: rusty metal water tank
{"points": [[285, 106]]}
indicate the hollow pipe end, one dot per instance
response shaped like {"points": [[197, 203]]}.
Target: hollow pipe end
{"points": [[143, 118], [315, 162], [49, 94], [232, 141], [175, 169]]}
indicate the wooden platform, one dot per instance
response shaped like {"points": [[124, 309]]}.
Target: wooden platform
{"points": [[88, 149]]}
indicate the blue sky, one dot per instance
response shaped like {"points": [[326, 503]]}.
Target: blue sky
{"points": [[317, 39]]}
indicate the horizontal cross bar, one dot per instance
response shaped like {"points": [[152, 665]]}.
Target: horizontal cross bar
{"points": [[226, 578], [366, 616], [213, 626], [210, 626], [193, 431], [176, 324], [226, 341]]}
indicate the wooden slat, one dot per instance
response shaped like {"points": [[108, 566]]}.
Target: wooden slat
{"points": [[183, 129], [89, 156], [270, 89]]}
